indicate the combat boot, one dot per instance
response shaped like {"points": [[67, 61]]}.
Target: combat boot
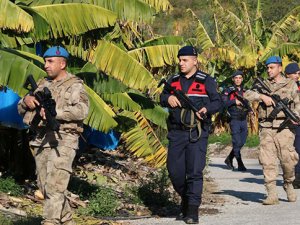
{"points": [[241, 166], [296, 182], [272, 198], [183, 209], [229, 161], [192, 215], [290, 192]]}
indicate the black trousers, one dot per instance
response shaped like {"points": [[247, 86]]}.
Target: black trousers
{"points": [[185, 162]]}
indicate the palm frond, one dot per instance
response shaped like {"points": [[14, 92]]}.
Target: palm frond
{"points": [[117, 63], [259, 22], [100, 115], [165, 40], [7, 41], [156, 56], [141, 140], [281, 33], [160, 5], [64, 20], [121, 100], [151, 110], [203, 39], [134, 10], [14, 69], [282, 49], [14, 18]]}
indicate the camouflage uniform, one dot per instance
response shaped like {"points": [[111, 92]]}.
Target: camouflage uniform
{"points": [[274, 143], [55, 152]]}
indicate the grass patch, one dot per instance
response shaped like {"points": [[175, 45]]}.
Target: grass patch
{"points": [[103, 202], [9, 186], [225, 139], [252, 141]]}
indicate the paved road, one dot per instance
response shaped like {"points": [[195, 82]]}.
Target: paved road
{"points": [[243, 193]]}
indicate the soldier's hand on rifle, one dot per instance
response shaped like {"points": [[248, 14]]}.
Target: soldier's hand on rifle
{"points": [[201, 113], [238, 102], [31, 101], [267, 100], [173, 101], [42, 113]]}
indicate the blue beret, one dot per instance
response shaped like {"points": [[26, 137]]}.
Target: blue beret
{"points": [[56, 51], [187, 51], [236, 73], [274, 59], [291, 68]]}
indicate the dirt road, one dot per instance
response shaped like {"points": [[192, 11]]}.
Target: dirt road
{"points": [[243, 193]]}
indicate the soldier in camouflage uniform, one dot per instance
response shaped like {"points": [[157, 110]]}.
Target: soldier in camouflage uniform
{"points": [[55, 151], [274, 143], [292, 71]]}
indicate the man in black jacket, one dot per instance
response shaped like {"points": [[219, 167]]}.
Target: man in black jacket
{"points": [[188, 131]]}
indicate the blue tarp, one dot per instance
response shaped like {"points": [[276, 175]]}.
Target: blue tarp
{"points": [[101, 140], [9, 116]]}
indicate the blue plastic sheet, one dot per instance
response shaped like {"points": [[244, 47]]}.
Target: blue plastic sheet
{"points": [[9, 116], [99, 139]]}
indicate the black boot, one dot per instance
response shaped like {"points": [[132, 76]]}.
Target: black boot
{"points": [[228, 161], [241, 166], [183, 209], [192, 215]]}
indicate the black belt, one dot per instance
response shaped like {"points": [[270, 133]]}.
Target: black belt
{"points": [[180, 127], [240, 118]]}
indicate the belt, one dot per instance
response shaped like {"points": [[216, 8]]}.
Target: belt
{"points": [[180, 127]]}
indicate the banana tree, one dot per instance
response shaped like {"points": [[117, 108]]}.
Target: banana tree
{"points": [[93, 37]]}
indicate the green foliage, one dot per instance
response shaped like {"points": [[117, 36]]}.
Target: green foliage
{"points": [[154, 193], [180, 22], [8, 185], [252, 141], [225, 139], [103, 202]]}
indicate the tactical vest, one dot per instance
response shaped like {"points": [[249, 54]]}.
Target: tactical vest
{"points": [[198, 95], [236, 112]]}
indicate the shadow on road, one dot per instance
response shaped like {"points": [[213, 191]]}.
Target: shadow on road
{"points": [[255, 172], [244, 195]]}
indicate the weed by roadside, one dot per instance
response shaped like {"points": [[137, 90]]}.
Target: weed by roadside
{"points": [[225, 139], [9, 186]]}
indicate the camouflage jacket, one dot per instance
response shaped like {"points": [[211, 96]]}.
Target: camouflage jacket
{"points": [[286, 88], [72, 106]]}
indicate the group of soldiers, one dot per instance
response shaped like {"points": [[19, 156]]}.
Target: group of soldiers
{"points": [[278, 113], [55, 141]]}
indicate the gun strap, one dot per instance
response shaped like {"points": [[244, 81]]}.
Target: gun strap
{"points": [[194, 122]]}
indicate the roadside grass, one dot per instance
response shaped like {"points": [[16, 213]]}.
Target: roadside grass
{"points": [[225, 139], [9, 186]]}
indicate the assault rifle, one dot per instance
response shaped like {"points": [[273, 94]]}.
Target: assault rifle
{"points": [[45, 99], [184, 100], [244, 101], [280, 105]]}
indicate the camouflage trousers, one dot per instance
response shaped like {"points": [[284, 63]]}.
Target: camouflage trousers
{"points": [[276, 146], [53, 168]]}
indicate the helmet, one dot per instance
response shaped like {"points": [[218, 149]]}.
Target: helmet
{"points": [[56, 51]]}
